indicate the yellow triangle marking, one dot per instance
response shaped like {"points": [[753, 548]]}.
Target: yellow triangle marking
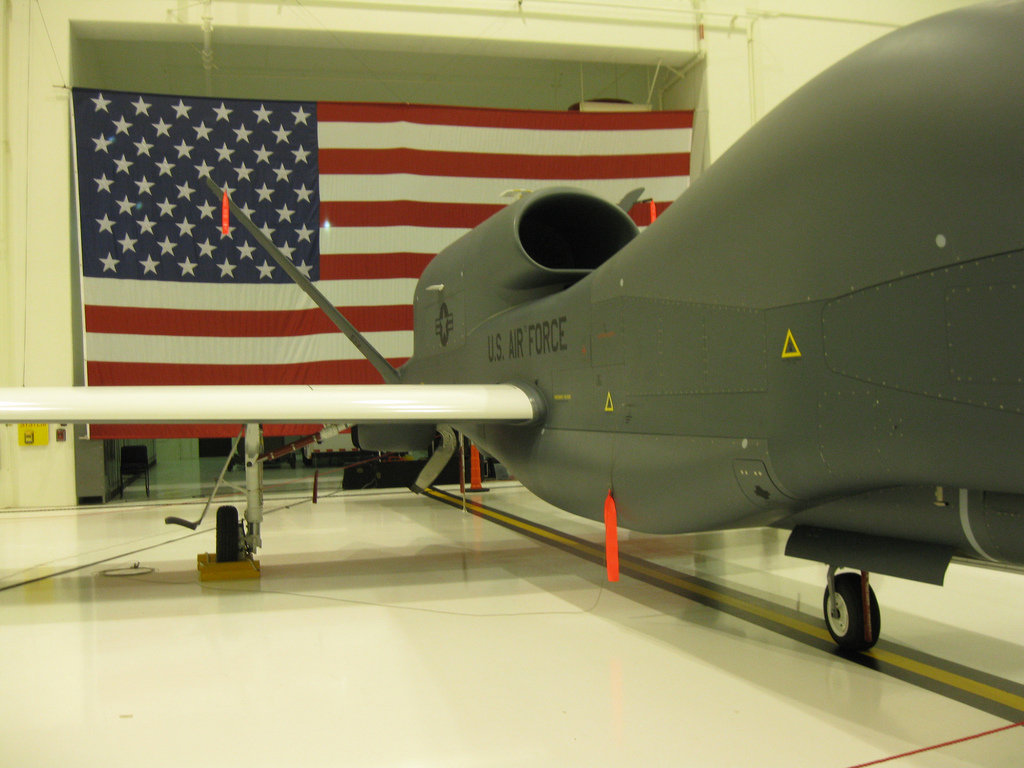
{"points": [[790, 349], [609, 407]]}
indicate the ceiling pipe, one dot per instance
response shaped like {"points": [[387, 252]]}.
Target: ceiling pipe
{"points": [[751, 74], [525, 7], [207, 52]]}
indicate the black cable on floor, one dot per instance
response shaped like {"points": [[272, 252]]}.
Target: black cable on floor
{"points": [[128, 554], [99, 562]]}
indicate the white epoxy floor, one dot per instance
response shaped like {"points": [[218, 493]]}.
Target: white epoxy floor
{"points": [[393, 630]]}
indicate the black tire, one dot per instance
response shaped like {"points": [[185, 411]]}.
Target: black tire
{"points": [[227, 534], [847, 629]]}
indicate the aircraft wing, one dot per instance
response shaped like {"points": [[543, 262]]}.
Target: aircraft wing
{"points": [[411, 403]]}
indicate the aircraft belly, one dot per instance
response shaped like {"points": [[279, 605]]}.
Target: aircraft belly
{"points": [[994, 524], [654, 477], [567, 468], [978, 524], [680, 484], [873, 436]]}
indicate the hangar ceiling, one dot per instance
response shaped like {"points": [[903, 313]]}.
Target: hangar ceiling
{"points": [[327, 65]]}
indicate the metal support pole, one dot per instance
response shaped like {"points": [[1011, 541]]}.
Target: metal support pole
{"points": [[462, 467], [253, 488]]}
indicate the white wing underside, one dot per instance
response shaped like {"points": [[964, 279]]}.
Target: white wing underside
{"points": [[335, 404]]}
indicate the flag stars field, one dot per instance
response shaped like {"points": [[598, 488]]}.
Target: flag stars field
{"points": [[149, 203]]}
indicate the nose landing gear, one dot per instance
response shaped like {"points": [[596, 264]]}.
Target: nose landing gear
{"points": [[851, 611]]}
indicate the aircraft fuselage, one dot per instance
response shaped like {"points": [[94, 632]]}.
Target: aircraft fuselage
{"points": [[829, 313]]}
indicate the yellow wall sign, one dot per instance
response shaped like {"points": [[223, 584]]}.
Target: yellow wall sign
{"points": [[33, 434]]}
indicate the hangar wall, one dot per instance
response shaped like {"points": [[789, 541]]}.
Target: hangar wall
{"points": [[532, 54]]}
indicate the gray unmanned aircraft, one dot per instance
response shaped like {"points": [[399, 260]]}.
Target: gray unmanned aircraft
{"points": [[821, 334]]}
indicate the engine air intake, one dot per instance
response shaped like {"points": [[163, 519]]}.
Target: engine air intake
{"points": [[570, 231]]}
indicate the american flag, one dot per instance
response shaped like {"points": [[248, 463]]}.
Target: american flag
{"points": [[359, 196]]}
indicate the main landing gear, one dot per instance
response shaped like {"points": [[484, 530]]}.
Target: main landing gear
{"points": [[238, 540], [851, 611]]}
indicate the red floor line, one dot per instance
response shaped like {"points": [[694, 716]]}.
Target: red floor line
{"points": [[939, 746]]}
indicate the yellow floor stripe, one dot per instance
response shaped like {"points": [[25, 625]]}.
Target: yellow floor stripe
{"points": [[818, 632], [518, 523], [734, 602], [951, 679]]}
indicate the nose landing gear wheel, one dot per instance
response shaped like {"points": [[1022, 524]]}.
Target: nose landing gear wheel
{"points": [[845, 618]]}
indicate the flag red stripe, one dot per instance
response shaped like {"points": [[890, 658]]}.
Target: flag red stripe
{"points": [[188, 322], [168, 431], [404, 213], [417, 214], [496, 118], [498, 166], [372, 266], [152, 374]]}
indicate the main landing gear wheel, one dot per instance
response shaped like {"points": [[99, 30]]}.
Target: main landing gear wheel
{"points": [[228, 535], [845, 617]]}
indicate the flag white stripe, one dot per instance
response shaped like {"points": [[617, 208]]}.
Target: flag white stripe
{"points": [[277, 350], [387, 239], [518, 141], [245, 297], [456, 189]]}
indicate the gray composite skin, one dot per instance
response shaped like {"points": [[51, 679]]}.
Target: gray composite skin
{"points": [[824, 330]]}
